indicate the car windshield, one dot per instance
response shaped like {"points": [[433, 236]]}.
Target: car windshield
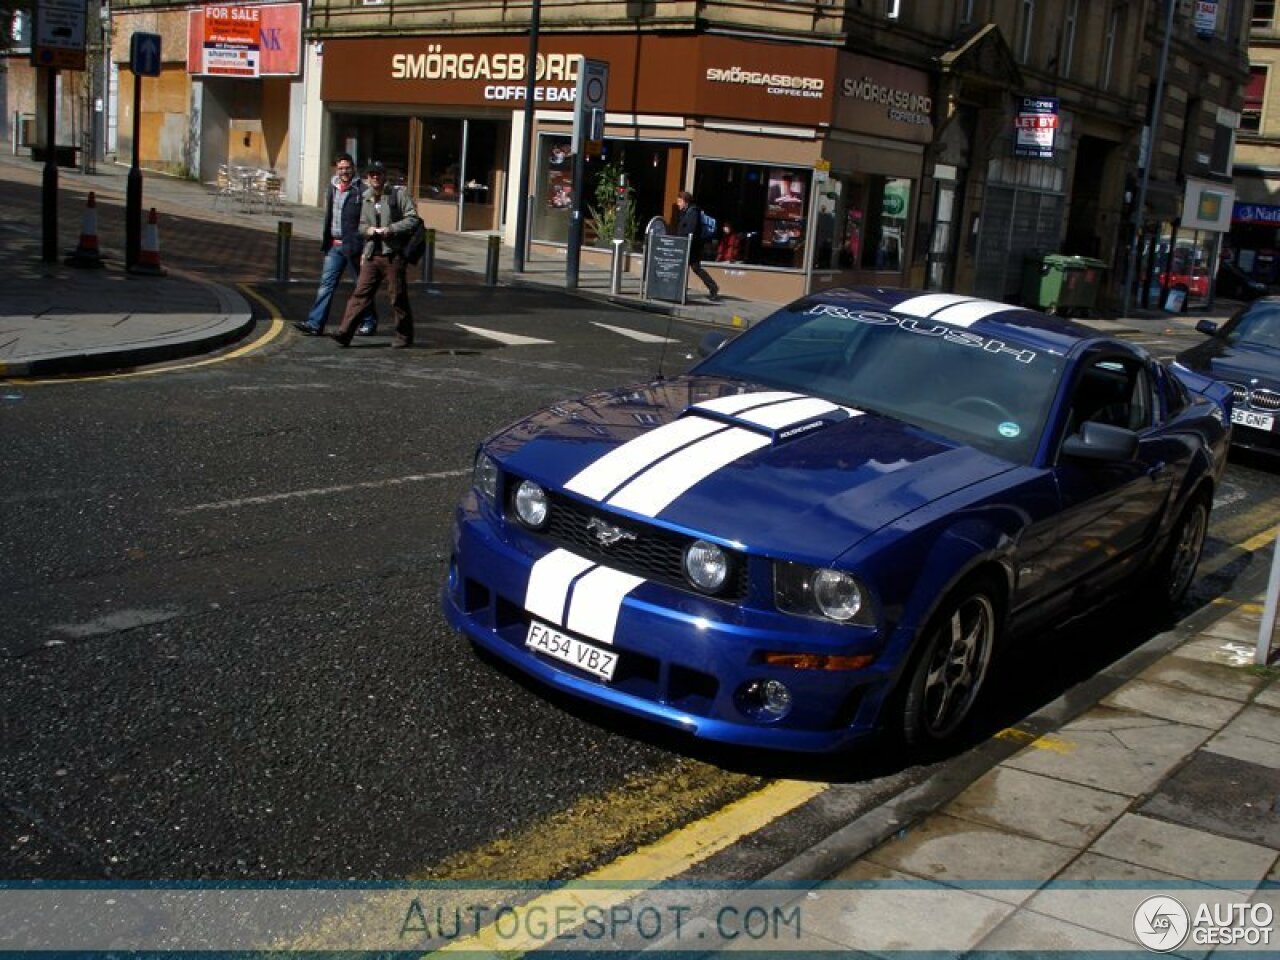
{"points": [[1257, 325], [988, 393]]}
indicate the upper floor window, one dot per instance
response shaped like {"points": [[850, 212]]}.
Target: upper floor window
{"points": [[1114, 23], [1255, 92], [1028, 34], [1264, 14], [1069, 35]]}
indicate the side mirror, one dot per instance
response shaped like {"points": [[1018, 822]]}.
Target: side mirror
{"points": [[712, 341], [1207, 327], [1101, 441]]}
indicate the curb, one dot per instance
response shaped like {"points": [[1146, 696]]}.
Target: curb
{"points": [[234, 318]]}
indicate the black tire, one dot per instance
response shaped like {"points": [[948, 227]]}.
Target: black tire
{"points": [[1176, 568], [956, 651]]}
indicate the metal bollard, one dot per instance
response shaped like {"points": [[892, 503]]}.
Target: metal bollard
{"points": [[429, 256], [491, 263], [615, 268], [284, 232]]}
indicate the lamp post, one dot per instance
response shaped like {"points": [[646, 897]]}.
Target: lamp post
{"points": [[522, 194], [1152, 151]]}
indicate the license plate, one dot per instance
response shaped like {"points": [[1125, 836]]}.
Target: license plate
{"points": [[571, 650], [1259, 421]]}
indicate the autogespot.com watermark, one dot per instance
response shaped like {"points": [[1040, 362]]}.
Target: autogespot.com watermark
{"points": [[1162, 924]]}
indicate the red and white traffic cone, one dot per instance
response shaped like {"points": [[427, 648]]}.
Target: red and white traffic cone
{"points": [[149, 254], [86, 253]]}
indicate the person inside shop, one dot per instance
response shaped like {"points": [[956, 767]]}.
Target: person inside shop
{"points": [[729, 247], [388, 219], [689, 224], [340, 244]]}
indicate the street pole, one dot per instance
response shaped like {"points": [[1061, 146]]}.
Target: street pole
{"points": [[522, 212], [133, 194], [49, 193], [1153, 125], [573, 255]]}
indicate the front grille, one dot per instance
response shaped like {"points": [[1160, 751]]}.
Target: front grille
{"points": [[654, 554], [1265, 399]]}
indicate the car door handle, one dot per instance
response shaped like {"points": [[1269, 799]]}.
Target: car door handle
{"points": [[1156, 470]]}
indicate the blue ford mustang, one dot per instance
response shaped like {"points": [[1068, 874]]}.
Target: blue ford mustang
{"points": [[829, 525]]}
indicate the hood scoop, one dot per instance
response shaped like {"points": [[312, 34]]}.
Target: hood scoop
{"points": [[780, 416]]}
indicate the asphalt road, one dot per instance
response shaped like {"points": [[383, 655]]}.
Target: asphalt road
{"points": [[224, 655]]}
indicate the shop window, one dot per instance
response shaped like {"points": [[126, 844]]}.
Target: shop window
{"points": [[766, 206], [441, 164], [862, 223], [645, 163]]}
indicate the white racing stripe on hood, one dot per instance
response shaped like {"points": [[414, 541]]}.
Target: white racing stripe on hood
{"points": [[549, 583], [654, 489], [785, 414], [597, 598], [622, 463], [731, 404]]}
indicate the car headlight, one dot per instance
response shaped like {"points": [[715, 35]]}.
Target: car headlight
{"points": [[706, 566], [531, 504], [484, 476], [821, 592]]}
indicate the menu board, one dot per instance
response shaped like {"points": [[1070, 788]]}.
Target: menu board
{"points": [[666, 268]]}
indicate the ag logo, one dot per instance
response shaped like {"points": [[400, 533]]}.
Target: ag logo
{"points": [[1161, 924]]}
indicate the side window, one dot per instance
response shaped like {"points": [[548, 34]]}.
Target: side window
{"points": [[1114, 392]]}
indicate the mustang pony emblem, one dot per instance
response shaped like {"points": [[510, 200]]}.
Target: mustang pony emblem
{"points": [[606, 533]]}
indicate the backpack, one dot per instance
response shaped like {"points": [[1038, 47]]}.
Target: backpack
{"points": [[708, 225], [415, 244]]}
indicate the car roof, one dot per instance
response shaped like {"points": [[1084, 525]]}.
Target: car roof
{"points": [[991, 318]]}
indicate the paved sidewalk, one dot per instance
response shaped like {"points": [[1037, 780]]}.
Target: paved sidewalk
{"points": [[1160, 775], [57, 319]]}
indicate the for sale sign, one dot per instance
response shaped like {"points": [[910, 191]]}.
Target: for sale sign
{"points": [[1035, 127], [231, 41]]}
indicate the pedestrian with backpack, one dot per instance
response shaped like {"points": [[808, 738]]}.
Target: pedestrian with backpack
{"points": [[689, 224], [389, 224], [341, 245]]}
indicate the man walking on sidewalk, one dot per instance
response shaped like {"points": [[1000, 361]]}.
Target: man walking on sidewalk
{"points": [[340, 244], [388, 219], [689, 224]]}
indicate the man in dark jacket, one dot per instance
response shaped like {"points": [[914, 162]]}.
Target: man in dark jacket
{"points": [[689, 224], [340, 243]]}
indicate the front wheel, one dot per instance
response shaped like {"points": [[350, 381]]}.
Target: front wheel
{"points": [[953, 665], [1177, 565]]}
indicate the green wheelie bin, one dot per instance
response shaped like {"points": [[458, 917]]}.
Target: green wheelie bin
{"points": [[1062, 284]]}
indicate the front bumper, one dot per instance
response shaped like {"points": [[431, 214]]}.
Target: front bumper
{"points": [[684, 660]]}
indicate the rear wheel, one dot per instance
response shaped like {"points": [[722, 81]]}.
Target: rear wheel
{"points": [[955, 659], [1177, 565]]}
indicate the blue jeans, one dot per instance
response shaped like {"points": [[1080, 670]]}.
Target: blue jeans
{"points": [[335, 262]]}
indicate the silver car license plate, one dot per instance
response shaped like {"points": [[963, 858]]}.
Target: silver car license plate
{"points": [[569, 649]]}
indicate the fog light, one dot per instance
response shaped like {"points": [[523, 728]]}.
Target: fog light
{"points": [[531, 504], [766, 699]]}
